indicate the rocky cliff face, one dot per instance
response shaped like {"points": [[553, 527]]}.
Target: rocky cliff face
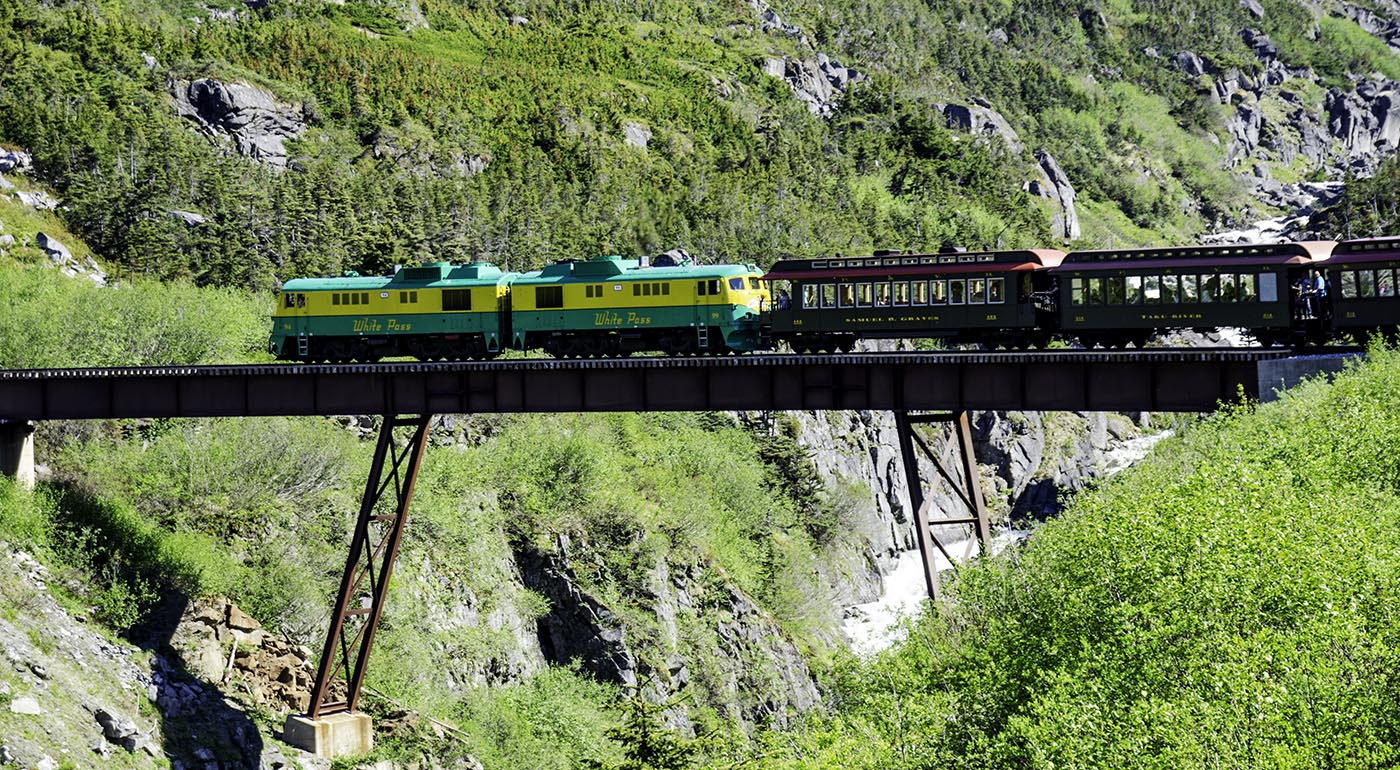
{"points": [[1027, 461], [683, 632]]}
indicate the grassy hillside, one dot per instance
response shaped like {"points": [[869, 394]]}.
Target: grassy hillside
{"points": [[1230, 602]]}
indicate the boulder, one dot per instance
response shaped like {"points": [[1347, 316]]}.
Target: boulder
{"points": [[771, 22], [38, 200], [189, 218], [53, 248], [1263, 47], [1255, 9], [1191, 64], [981, 120], [16, 160], [636, 135], [117, 729]]}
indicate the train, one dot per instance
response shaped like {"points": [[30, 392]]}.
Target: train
{"points": [[1293, 294]]}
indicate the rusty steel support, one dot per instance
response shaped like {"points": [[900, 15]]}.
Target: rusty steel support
{"points": [[364, 586], [968, 490]]}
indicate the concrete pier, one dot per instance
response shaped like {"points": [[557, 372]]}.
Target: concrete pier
{"points": [[332, 737], [1283, 373], [17, 452]]}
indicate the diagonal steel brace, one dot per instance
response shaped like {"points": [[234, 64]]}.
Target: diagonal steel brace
{"points": [[373, 548]]}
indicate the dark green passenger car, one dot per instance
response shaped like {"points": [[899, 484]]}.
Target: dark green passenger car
{"points": [[990, 297]]}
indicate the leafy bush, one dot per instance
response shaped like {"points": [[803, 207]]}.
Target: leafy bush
{"points": [[1229, 602], [56, 321]]}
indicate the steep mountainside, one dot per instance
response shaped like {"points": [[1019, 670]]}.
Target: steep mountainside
{"points": [[245, 144]]}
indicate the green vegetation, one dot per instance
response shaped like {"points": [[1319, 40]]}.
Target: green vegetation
{"points": [[1230, 602], [55, 321]]}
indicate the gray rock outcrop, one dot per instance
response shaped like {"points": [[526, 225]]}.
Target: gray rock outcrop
{"points": [[1052, 183], [981, 120], [818, 82], [250, 118], [16, 160], [762, 677]]}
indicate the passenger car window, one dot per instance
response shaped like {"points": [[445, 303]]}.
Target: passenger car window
{"points": [[957, 291], [882, 295], [920, 293], [1246, 287], [1170, 291], [1093, 294], [1152, 289], [1113, 290], [976, 291], [1189, 288], [938, 292], [828, 295], [864, 295], [1076, 291], [996, 289], [1134, 283]]}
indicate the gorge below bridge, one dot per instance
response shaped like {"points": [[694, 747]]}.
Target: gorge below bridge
{"points": [[917, 387]]}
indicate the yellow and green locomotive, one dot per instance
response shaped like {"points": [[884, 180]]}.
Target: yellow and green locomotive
{"points": [[607, 306]]}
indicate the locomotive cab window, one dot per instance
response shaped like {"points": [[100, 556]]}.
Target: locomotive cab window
{"points": [[549, 297], [753, 285], [707, 288], [736, 283], [288, 300], [456, 300]]}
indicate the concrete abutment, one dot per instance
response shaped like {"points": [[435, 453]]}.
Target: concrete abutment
{"points": [[17, 451]]}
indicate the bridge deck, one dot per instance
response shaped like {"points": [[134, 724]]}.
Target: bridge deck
{"points": [[1151, 380]]}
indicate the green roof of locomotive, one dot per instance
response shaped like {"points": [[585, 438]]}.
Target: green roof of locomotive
{"points": [[437, 274], [601, 269]]}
